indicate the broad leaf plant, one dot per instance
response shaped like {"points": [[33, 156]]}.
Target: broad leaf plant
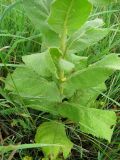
{"points": [[59, 80]]}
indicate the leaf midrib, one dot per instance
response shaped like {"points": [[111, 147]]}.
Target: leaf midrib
{"points": [[67, 16]]}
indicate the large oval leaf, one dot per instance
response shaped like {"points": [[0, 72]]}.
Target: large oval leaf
{"points": [[37, 11], [88, 35], [87, 97], [41, 63], [28, 84], [69, 15], [94, 75], [53, 133], [92, 121]]}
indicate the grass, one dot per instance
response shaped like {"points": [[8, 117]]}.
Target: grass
{"points": [[18, 124]]}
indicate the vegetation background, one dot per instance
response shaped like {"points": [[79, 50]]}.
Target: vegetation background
{"points": [[18, 37]]}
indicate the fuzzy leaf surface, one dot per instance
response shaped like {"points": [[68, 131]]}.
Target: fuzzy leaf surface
{"points": [[41, 63], [69, 15], [87, 97], [38, 12], [66, 66], [92, 121], [87, 36], [80, 62], [57, 135], [94, 75], [26, 83]]}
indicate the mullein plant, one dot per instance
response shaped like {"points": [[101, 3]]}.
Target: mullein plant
{"points": [[59, 80]]}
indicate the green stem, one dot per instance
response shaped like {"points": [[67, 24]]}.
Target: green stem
{"points": [[63, 49], [63, 41]]}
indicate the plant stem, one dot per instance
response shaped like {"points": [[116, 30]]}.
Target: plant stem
{"points": [[63, 41], [63, 49]]}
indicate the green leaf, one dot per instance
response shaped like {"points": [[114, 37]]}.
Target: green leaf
{"points": [[38, 12], [102, 2], [41, 63], [76, 59], [39, 105], [95, 23], [56, 54], [84, 97], [92, 121], [61, 63], [53, 133], [66, 66], [26, 83], [80, 62], [87, 97], [94, 75], [50, 39], [87, 36], [111, 61], [69, 15], [89, 77]]}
